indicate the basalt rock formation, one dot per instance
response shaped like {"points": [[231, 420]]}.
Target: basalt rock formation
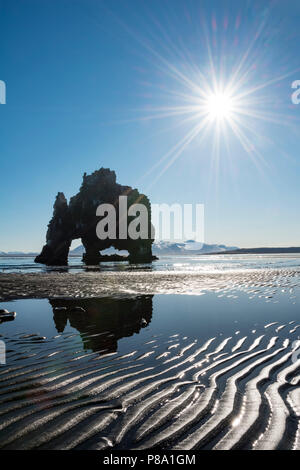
{"points": [[78, 219]]}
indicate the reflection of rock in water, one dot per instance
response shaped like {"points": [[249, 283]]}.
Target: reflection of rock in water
{"points": [[102, 322]]}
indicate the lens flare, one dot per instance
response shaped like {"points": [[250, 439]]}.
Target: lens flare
{"points": [[220, 94]]}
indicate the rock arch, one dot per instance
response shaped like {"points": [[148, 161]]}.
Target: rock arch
{"points": [[77, 220]]}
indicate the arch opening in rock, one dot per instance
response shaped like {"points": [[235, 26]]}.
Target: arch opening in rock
{"points": [[77, 219]]}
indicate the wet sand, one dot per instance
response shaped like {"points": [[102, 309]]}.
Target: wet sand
{"points": [[78, 390], [99, 284], [101, 365]]}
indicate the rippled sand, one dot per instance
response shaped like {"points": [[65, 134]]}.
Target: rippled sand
{"points": [[237, 388], [95, 284], [172, 393]]}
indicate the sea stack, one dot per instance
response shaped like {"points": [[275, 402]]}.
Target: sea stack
{"points": [[78, 220]]}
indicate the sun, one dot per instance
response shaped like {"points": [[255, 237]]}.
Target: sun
{"points": [[219, 106], [218, 101]]}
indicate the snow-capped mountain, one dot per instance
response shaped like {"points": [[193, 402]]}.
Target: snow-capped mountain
{"points": [[189, 247], [159, 248]]}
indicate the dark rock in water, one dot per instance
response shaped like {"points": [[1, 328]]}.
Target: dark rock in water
{"points": [[3, 310], [7, 316], [77, 219]]}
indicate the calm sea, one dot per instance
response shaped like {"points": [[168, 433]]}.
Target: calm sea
{"points": [[204, 263]]}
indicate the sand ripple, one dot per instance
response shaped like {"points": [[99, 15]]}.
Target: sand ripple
{"points": [[239, 392]]}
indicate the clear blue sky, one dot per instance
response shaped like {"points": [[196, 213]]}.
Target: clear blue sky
{"points": [[83, 77]]}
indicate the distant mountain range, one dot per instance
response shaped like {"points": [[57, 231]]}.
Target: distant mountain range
{"points": [[264, 250], [17, 253], [188, 248]]}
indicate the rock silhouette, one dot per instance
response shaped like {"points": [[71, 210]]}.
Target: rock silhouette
{"points": [[77, 219], [102, 322]]}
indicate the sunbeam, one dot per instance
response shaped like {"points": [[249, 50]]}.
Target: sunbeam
{"points": [[219, 100]]}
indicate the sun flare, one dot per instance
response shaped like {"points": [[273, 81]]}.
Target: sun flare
{"points": [[219, 101], [219, 106]]}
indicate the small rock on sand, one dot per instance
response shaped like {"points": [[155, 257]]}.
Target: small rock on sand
{"points": [[6, 316]]}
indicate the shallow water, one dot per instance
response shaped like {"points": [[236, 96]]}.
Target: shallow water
{"points": [[201, 264], [171, 371]]}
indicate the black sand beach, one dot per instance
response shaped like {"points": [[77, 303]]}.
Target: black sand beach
{"points": [[151, 360]]}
